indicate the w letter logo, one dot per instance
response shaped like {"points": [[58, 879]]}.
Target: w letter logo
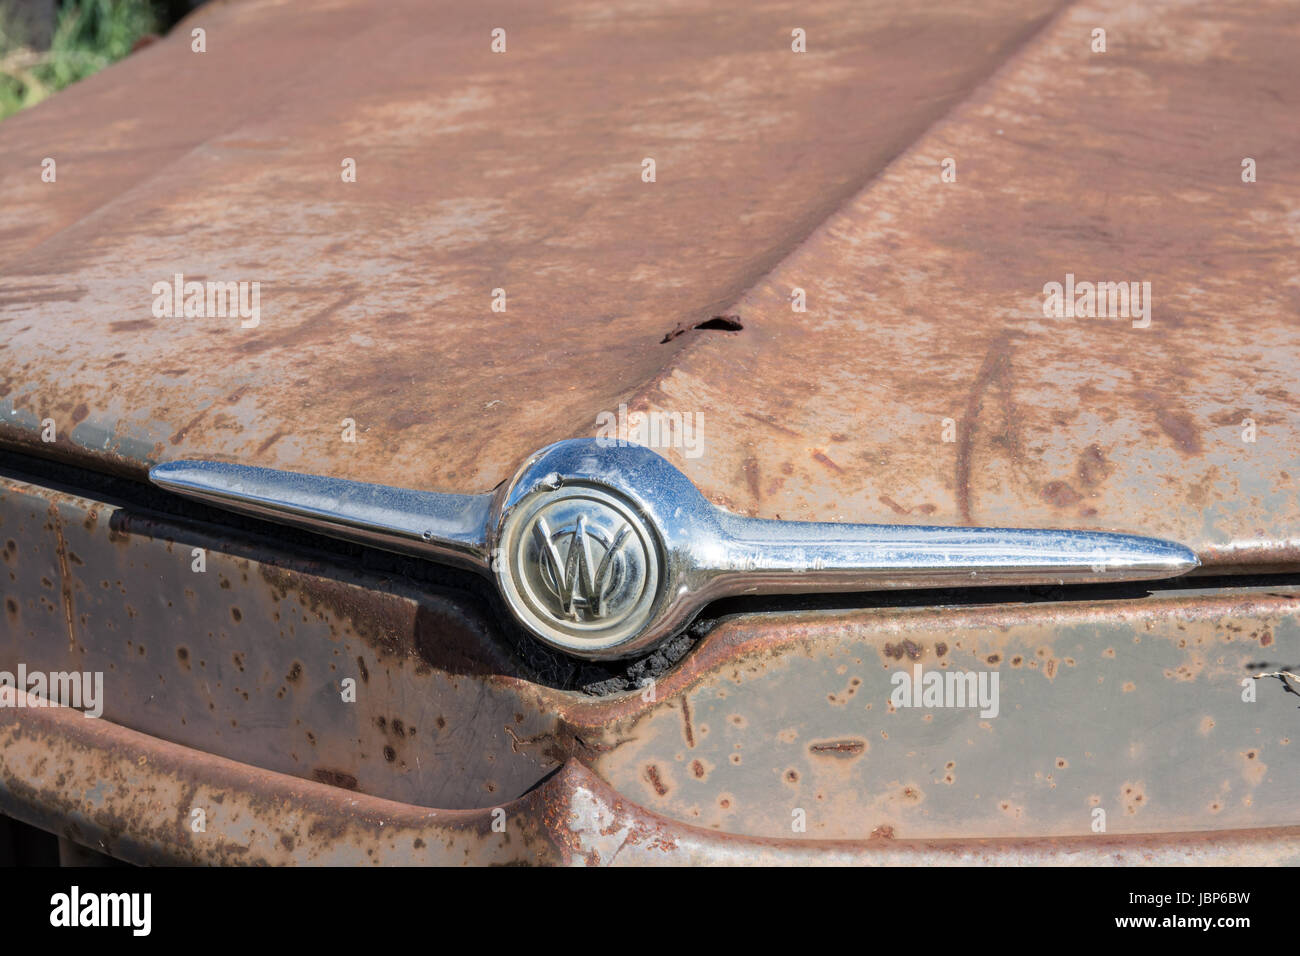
{"points": [[578, 565]]}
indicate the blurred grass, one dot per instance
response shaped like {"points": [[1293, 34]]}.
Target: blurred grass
{"points": [[88, 36]]}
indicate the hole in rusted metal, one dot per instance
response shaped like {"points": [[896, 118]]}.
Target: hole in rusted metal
{"points": [[719, 323]]}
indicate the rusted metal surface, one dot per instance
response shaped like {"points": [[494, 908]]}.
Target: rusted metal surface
{"points": [[925, 304], [135, 797], [475, 171], [1132, 706], [248, 657], [480, 171]]}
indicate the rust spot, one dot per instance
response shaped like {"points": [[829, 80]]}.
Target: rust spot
{"points": [[687, 729], [908, 647], [1093, 468], [1133, 796], [996, 367], [179, 435], [131, 325], [652, 775], [893, 505], [771, 422], [270, 440], [847, 748], [1060, 495], [65, 576], [821, 459], [751, 476], [335, 778], [1179, 425]]}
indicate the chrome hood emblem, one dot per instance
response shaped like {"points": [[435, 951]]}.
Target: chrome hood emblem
{"points": [[603, 551], [579, 567]]}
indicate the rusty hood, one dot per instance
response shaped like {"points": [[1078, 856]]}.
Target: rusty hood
{"points": [[867, 232]]}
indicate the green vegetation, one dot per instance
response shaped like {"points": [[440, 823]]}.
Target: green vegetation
{"points": [[88, 36]]}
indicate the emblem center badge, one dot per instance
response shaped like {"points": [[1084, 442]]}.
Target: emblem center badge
{"points": [[581, 564]]}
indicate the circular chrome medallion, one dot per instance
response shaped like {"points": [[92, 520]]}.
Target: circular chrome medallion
{"points": [[579, 567]]}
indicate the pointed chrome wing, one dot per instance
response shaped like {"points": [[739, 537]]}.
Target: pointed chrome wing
{"points": [[446, 528]]}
